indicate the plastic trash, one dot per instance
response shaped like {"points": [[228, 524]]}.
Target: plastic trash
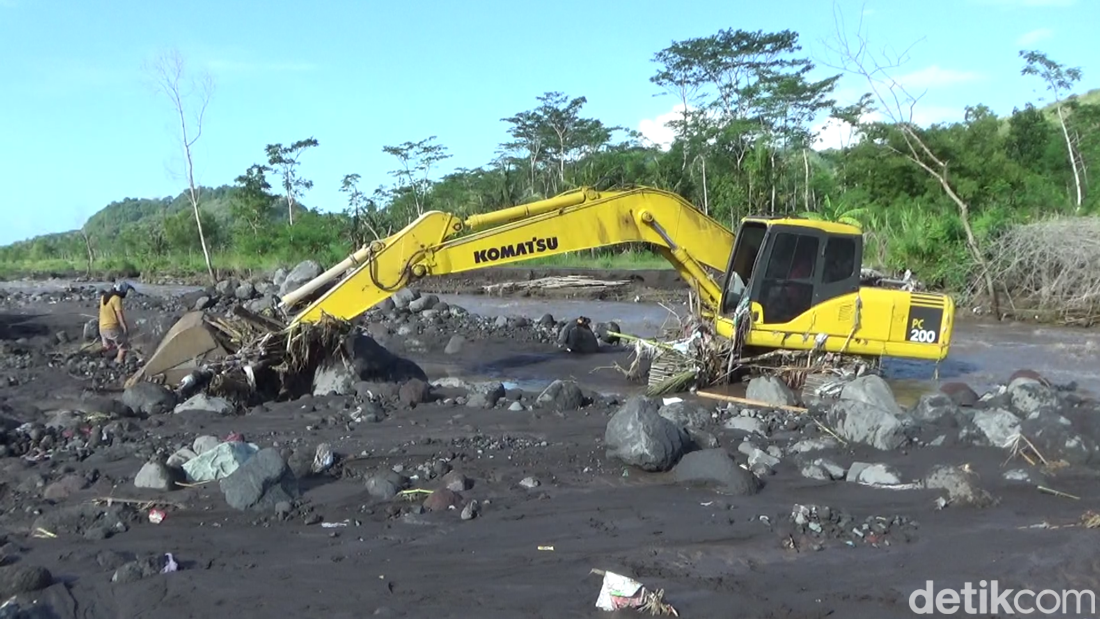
{"points": [[618, 592]]}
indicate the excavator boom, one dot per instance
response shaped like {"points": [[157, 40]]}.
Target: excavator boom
{"points": [[571, 222], [795, 282]]}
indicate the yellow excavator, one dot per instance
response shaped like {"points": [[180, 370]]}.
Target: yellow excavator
{"points": [[781, 283]]}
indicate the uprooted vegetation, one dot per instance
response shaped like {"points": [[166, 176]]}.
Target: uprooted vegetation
{"points": [[1051, 269]]}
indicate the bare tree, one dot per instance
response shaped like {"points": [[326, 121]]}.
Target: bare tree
{"points": [[1059, 79], [168, 70], [897, 106]]}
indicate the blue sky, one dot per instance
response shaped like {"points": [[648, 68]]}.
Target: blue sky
{"points": [[81, 127]]}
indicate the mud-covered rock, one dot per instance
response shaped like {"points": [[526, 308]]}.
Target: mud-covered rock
{"points": [[936, 409], [562, 395], [996, 425], [685, 415], [260, 482], [577, 337], [139, 569], [442, 500], [639, 436], [770, 390], [1055, 437], [16, 579], [414, 392], [960, 393], [205, 403], [715, 466], [961, 485], [148, 398], [385, 486], [1028, 396], [869, 424], [370, 361], [156, 476]]}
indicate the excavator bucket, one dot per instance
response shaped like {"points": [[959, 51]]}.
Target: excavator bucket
{"points": [[184, 348]]}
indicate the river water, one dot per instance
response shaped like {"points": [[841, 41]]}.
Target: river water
{"points": [[983, 353]]}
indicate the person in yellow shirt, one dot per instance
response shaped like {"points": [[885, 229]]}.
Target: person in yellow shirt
{"points": [[113, 327]]}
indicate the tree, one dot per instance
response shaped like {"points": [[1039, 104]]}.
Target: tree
{"points": [[360, 209], [168, 72], [1059, 79], [284, 159], [417, 160], [898, 132], [252, 203]]}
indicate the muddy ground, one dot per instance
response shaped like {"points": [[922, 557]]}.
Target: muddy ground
{"points": [[550, 503]]}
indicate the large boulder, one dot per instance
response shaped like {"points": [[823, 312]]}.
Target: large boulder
{"points": [[149, 398], [996, 425], [961, 485], [260, 483], [372, 362], [577, 337], [333, 376], [715, 466], [1028, 396], [203, 402], [562, 395], [869, 424], [770, 390], [873, 391], [639, 436], [299, 276]]}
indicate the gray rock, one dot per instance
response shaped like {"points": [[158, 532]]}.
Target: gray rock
{"points": [[578, 338], [334, 376], [757, 456], [860, 422], [752, 425], [148, 398], [562, 395], [245, 292], [259, 305], [180, 457], [402, 298], [155, 476], [546, 320], [226, 286], [834, 470], [501, 322], [935, 408], [279, 277], [202, 303], [874, 391], [425, 302], [205, 443], [770, 390], [960, 393], [877, 474], [260, 482], [469, 512], [16, 579], [529, 483], [454, 345], [685, 415], [371, 361], [484, 395], [140, 569], [996, 425], [961, 485], [385, 486], [91, 330], [814, 471], [715, 466], [1028, 397], [203, 402], [639, 436], [814, 444], [299, 276], [515, 407], [1054, 436]]}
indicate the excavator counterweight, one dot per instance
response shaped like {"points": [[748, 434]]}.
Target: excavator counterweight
{"points": [[797, 281]]}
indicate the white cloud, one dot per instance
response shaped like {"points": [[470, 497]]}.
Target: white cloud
{"points": [[835, 133], [657, 131], [1033, 37], [935, 76]]}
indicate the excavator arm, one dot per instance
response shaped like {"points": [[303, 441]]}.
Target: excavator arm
{"points": [[574, 221]]}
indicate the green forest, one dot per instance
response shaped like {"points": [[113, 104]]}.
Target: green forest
{"points": [[943, 201]]}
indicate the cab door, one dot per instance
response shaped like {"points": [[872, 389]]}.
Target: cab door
{"points": [[785, 283]]}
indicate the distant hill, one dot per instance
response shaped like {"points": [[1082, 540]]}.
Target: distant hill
{"points": [[107, 223]]}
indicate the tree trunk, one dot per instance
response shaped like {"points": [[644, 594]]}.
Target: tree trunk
{"points": [[1072, 159], [706, 202], [806, 179]]}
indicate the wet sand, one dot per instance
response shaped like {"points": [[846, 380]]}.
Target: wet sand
{"points": [[715, 554]]}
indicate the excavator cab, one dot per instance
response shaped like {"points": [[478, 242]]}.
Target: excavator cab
{"points": [[801, 280]]}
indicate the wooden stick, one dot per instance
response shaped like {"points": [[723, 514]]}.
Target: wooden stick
{"points": [[1058, 493], [748, 402]]}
